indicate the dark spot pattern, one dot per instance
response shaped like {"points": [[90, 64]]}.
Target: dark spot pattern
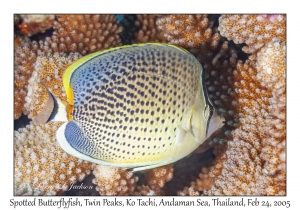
{"points": [[134, 97]]}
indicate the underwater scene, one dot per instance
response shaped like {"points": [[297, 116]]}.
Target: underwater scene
{"points": [[149, 104]]}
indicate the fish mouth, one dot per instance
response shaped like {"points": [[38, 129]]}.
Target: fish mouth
{"points": [[222, 120]]}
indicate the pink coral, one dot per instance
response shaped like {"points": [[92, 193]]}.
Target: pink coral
{"points": [[41, 166], [254, 30], [83, 33], [48, 70], [147, 30], [157, 177], [24, 65], [187, 31], [114, 181], [33, 24]]}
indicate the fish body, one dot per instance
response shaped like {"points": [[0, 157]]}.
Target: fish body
{"points": [[138, 106]]}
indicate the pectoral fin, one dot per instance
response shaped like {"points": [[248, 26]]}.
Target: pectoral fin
{"points": [[180, 132]]}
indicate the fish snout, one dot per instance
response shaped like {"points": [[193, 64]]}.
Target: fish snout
{"points": [[222, 120]]}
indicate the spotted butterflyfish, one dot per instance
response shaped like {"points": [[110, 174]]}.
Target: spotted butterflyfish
{"points": [[138, 106]]}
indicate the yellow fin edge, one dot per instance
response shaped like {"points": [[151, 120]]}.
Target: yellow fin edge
{"points": [[70, 70]]}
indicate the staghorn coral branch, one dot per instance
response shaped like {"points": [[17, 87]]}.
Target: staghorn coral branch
{"points": [[41, 166], [48, 69], [33, 24], [254, 30], [187, 31], [157, 177], [114, 181], [83, 33], [147, 30], [23, 67]]}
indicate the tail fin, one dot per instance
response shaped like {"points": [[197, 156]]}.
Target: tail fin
{"points": [[54, 110]]}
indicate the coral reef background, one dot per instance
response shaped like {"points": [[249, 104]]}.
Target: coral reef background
{"points": [[244, 59]]}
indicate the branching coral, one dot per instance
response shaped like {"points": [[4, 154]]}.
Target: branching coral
{"points": [[48, 70], [254, 30], [114, 181], [157, 177], [187, 31], [32, 24], [83, 34], [24, 59], [147, 29], [154, 181], [254, 161], [256, 156], [271, 67], [187, 170], [41, 166], [19, 37], [144, 190]]}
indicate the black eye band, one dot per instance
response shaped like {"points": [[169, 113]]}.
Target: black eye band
{"points": [[207, 101], [211, 112]]}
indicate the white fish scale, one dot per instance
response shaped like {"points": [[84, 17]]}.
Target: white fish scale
{"points": [[131, 111]]}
